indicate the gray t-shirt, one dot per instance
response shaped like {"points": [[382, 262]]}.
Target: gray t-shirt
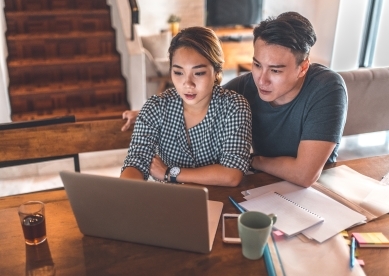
{"points": [[317, 113]]}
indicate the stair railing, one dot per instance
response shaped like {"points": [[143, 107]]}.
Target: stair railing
{"points": [[134, 16]]}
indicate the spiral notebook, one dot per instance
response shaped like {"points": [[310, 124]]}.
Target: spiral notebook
{"points": [[291, 217]]}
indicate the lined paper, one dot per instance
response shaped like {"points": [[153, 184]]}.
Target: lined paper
{"points": [[291, 217], [337, 217]]}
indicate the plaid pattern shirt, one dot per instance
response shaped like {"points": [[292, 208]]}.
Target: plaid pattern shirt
{"points": [[222, 137]]}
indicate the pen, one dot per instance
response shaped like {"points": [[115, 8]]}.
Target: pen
{"points": [[266, 253], [352, 252], [268, 261], [237, 205]]}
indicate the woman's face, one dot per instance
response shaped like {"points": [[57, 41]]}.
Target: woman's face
{"points": [[193, 76]]}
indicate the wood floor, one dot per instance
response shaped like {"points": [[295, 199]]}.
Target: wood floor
{"points": [[62, 60]]}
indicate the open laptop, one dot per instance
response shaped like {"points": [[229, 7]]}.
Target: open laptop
{"points": [[153, 213]]}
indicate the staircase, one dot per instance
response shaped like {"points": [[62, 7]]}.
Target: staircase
{"points": [[62, 60]]}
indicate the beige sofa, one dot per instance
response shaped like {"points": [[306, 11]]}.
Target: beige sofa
{"points": [[368, 95]]}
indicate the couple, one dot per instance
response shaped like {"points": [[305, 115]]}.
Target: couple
{"points": [[200, 132]]}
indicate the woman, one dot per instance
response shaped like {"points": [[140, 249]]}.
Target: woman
{"points": [[196, 132]]}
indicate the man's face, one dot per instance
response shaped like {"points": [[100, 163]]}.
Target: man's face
{"points": [[277, 76]]}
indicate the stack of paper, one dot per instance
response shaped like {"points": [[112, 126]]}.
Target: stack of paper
{"points": [[373, 239], [291, 217], [306, 258], [367, 194], [337, 216]]}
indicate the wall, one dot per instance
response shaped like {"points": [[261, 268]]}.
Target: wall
{"points": [[349, 31], [132, 58], [381, 58], [5, 109], [154, 14], [323, 16]]}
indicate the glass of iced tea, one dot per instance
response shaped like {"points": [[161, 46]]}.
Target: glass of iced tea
{"points": [[32, 218]]}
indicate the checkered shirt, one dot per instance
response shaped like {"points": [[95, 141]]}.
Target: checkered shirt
{"points": [[222, 137]]}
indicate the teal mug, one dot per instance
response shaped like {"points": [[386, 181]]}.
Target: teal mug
{"points": [[254, 230]]}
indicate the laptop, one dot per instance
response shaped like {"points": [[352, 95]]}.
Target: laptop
{"points": [[152, 213]]}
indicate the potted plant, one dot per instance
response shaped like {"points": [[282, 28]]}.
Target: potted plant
{"points": [[174, 22]]}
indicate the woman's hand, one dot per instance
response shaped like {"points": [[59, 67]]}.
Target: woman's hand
{"points": [[157, 168], [130, 115]]}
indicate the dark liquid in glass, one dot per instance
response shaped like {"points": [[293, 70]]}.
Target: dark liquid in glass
{"points": [[34, 229]]}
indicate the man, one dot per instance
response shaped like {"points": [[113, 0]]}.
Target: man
{"points": [[299, 109]]}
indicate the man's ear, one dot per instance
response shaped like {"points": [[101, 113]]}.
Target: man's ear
{"points": [[304, 66]]}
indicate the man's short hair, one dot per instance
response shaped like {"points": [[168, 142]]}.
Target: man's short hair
{"points": [[289, 29]]}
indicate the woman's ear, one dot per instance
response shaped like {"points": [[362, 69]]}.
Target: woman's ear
{"points": [[218, 78]]}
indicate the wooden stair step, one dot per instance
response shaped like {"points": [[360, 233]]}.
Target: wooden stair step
{"points": [[65, 46], [21, 38], [61, 88], [77, 60], [45, 14], [24, 5], [87, 94], [99, 68], [58, 21], [81, 114], [96, 69]]}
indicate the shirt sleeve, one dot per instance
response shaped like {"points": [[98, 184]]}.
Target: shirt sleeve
{"points": [[326, 116], [145, 137], [237, 143]]}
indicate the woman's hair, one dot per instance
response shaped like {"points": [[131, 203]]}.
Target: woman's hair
{"points": [[205, 42], [289, 29]]}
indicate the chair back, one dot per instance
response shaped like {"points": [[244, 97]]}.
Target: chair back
{"points": [[368, 98]]}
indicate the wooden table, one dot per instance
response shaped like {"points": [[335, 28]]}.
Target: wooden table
{"points": [[68, 252]]}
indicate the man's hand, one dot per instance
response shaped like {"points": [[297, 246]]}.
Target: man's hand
{"points": [[157, 168], [130, 115]]}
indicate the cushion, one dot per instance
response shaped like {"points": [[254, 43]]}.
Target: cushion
{"points": [[368, 98], [158, 45]]}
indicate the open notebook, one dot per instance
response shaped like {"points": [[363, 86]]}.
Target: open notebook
{"points": [[337, 216], [291, 217]]}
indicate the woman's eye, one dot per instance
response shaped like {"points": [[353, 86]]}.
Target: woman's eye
{"points": [[177, 73], [200, 73]]}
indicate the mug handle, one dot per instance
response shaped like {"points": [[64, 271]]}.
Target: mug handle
{"points": [[273, 217]]}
